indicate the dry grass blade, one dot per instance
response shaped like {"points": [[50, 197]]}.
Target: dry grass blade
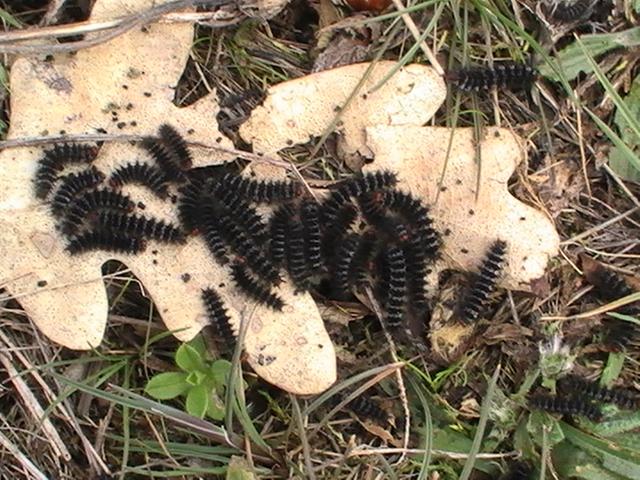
{"points": [[28, 466]]}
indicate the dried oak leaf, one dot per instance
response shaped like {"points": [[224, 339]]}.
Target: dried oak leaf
{"points": [[297, 110], [127, 85]]}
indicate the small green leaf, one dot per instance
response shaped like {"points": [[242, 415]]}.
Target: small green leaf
{"points": [[216, 408], [198, 344], [573, 59], [9, 19], [615, 362], [198, 401], [166, 386], [239, 469], [538, 421], [189, 359], [219, 372], [624, 161], [196, 378]]}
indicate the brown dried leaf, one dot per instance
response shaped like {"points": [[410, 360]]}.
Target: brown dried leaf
{"points": [[470, 224], [132, 79], [297, 110]]}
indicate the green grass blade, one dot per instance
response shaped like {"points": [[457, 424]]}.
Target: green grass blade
{"points": [[487, 403]]}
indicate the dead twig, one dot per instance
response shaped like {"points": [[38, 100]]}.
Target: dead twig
{"points": [[115, 28]]}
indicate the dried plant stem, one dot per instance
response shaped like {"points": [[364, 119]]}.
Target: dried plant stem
{"points": [[406, 18], [35, 409], [403, 391], [7, 444], [10, 44]]}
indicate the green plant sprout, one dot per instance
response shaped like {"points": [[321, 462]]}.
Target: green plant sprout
{"points": [[200, 381]]}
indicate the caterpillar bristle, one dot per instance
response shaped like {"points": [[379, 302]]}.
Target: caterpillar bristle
{"points": [[167, 160], [253, 288], [140, 174], [573, 406], [396, 286], [485, 283], [107, 241], [72, 185], [579, 386], [506, 75], [296, 256], [220, 321], [174, 141], [140, 226], [264, 191], [310, 216]]}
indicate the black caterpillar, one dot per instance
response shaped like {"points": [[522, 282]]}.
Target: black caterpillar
{"points": [[90, 202], [310, 216], [369, 182], [54, 160], [261, 191], [174, 142], [507, 75], [108, 241], [219, 320], [278, 233], [416, 215], [485, 283], [361, 262], [580, 386], [210, 231], [139, 226], [244, 214], [190, 205], [141, 174], [610, 286], [518, 470], [297, 264], [73, 184], [253, 288], [573, 406], [343, 262], [246, 248], [355, 187], [168, 161], [396, 287], [570, 11], [337, 228], [365, 407]]}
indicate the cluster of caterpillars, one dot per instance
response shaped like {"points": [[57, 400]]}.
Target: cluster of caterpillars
{"points": [[366, 234], [91, 210]]}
